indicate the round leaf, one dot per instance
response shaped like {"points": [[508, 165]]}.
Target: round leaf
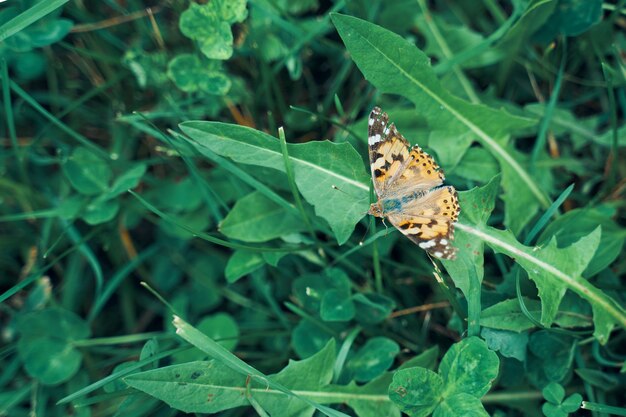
{"points": [[469, 367], [374, 358], [416, 391]]}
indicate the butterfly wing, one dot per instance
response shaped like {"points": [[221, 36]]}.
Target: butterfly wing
{"points": [[388, 151], [396, 170], [429, 221]]}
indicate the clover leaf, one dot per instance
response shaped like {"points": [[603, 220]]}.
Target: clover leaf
{"points": [[465, 375], [555, 405]]}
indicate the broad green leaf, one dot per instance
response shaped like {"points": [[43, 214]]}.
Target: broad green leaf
{"points": [[577, 223], [416, 391], [241, 263], [477, 165], [460, 405], [468, 367], [321, 365], [310, 289], [190, 74], [509, 344], [369, 400], [224, 383], [372, 359], [554, 270], [508, 315], [550, 357], [255, 218], [88, 173], [318, 166], [201, 387], [45, 346], [397, 67]]}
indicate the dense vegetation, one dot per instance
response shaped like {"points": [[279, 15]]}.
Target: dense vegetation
{"points": [[184, 188]]}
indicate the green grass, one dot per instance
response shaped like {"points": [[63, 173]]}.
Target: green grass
{"points": [[183, 199]]}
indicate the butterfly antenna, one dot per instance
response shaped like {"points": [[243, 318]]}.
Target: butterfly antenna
{"points": [[367, 229], [334, 187]]}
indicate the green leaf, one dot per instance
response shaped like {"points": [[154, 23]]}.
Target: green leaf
{"points": [[242, 263], [374, 358], [209, 25], [551, 358], [26, 18], [318, 166], [416, 391], [553, 392], [45, 346], [255, 218], [369, 400], [97, 212], [88, 173], [190, 74], [509, 344], [307, 338], [337, 306], [469, 367], [460, 405], [372, 308], [395, 66], [224, 383], [476, 207], [310, 289], [570, 18], [508, 315], [554, 270], [578, 223]]}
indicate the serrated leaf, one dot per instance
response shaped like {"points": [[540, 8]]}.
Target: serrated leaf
{"points": [[554, 270], [317, 166], [395, 66], [508, 315]]}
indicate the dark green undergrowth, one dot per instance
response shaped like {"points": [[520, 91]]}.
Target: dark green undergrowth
{"points": [[183, 198]]}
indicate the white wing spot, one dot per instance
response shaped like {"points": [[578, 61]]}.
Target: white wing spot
{"points": [[374, 139], [427, 244], [444, 241], [371, 121], [438, 254]]}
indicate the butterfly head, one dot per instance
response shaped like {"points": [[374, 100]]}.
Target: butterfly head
{"points": [[376, 210]]}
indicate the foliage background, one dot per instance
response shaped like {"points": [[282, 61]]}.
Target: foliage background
{"points": [[248, 234]]}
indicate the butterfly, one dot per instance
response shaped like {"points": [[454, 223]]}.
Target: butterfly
{"points": [[408, 184]]}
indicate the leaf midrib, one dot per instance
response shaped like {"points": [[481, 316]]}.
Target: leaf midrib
{"points": [[489, 141], [278, 154], [582, 287]]}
